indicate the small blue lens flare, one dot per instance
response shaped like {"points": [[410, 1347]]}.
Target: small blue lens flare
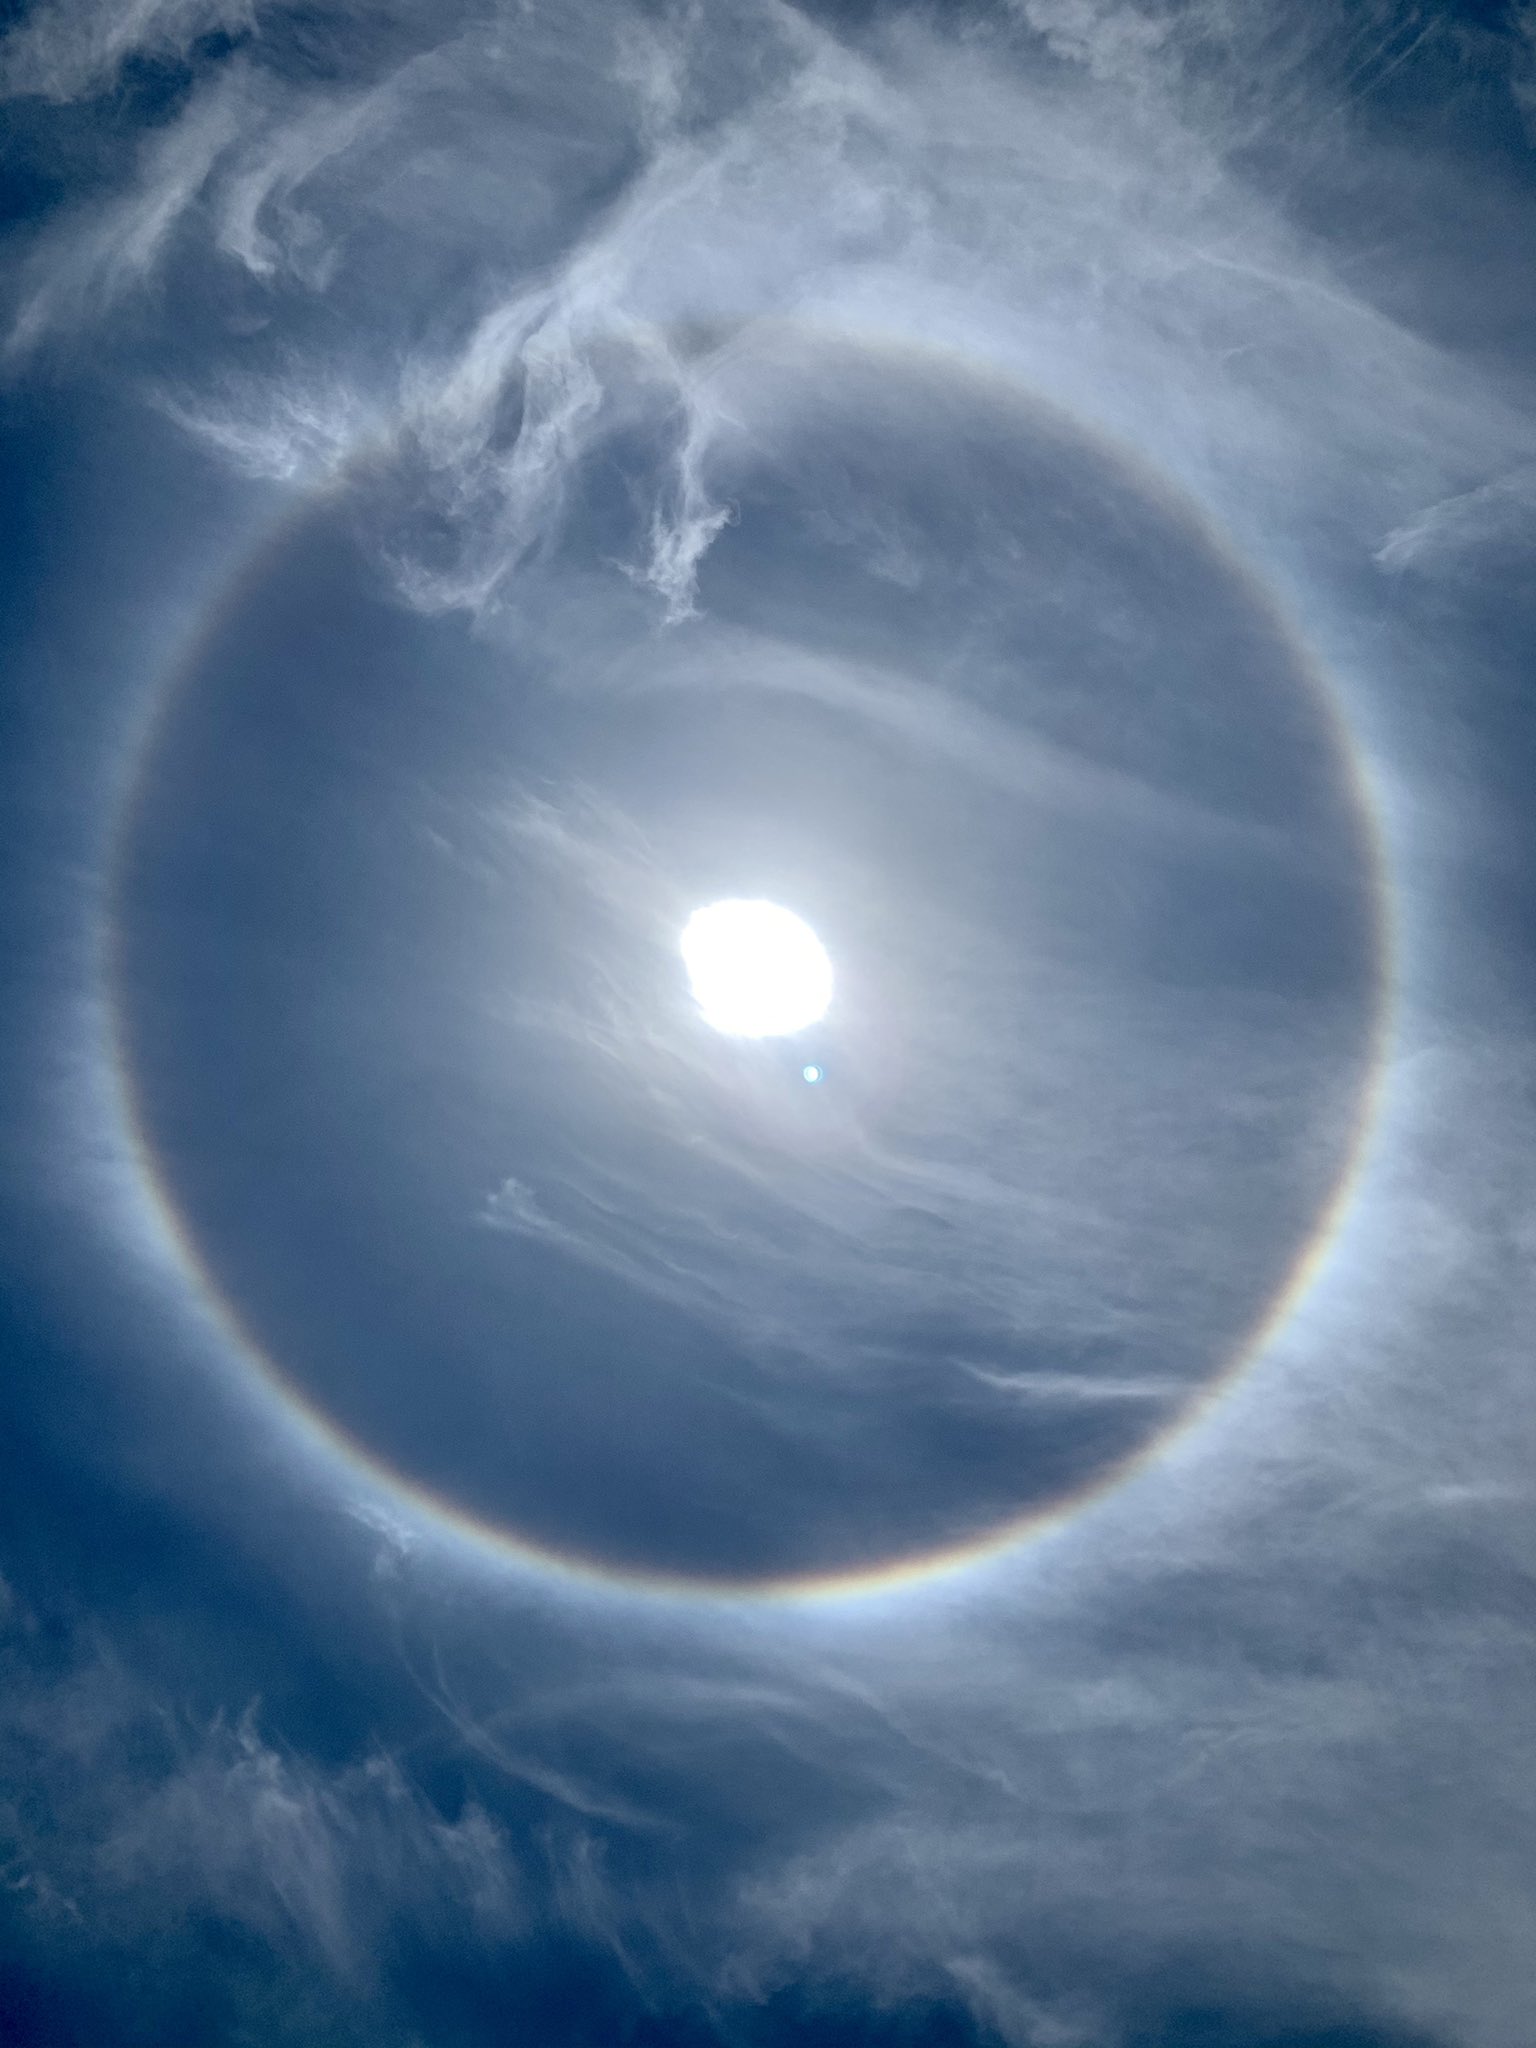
{"points": [[811, 1074]]}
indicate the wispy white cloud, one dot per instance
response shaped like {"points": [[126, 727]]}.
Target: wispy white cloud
{"points": [[1448, 536], [93, 261], [1082, 229], [73, 48], [142, 1814]]}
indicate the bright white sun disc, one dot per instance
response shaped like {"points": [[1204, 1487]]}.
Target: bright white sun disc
{"points": [[756, 970]]}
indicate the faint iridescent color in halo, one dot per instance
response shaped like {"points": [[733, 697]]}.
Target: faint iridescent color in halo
{"points": [[908, 1569]]}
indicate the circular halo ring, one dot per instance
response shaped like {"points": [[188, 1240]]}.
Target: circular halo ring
{"points": [[495, 1540]]}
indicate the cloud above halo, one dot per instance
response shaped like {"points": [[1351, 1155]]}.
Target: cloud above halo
{"points": [[978, 191]]}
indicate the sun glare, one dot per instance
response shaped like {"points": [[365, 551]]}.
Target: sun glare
{"points": [[756, 970]]}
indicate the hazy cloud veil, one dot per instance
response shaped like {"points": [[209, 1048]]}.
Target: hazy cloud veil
{"points": [[709, 376]]}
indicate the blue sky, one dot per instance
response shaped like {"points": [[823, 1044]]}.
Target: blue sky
{"points": [[522, 1520]]}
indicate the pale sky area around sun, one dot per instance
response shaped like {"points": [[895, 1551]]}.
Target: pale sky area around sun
{"points": [[769, 1153]]}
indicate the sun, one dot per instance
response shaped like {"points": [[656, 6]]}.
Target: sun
{"points": [[756, 970]]}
